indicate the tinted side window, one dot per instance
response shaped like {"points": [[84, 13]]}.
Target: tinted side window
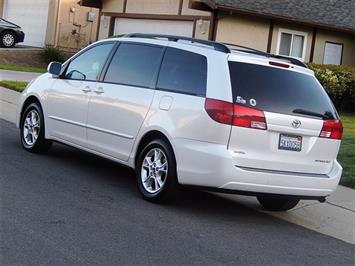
{"points": [[134, 64], [184, 72], [88, 65]]}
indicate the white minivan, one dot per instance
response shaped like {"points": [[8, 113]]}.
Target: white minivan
{"points": [[182, 111]]}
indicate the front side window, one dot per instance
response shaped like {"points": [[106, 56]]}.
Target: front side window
{"points": [[292, 43], [134, 64], [88, 65], [183, 72]]}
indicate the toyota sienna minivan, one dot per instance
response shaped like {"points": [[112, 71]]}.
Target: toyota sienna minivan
{"points": [[182, 111]]}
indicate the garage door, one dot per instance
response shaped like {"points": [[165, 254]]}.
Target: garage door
{"points": [[31, 16], [172, 27]]}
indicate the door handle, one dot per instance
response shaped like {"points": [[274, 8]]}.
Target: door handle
{"points": [[99, 90], [86, 89]]}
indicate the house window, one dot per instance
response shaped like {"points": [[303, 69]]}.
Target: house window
{"points": [[292, 43], [333, 53]]}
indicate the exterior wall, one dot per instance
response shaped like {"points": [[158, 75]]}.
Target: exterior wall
{"points": [[68, 27], [172, 11], [254, 32], [347, 40], [115, 6], [307, 30], [202, 28], [52, 22], [239, 29], [1, 7], [242, 30], [104, 27], [166, 7]]}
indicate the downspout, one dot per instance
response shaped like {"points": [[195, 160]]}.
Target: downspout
{"points": [[314, 36]]}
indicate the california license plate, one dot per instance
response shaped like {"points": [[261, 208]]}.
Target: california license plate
{"points": [[290, 142]]}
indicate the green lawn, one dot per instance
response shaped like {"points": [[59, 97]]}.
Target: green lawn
{"points": [[14, 85], [23, 68], [346, 156]]}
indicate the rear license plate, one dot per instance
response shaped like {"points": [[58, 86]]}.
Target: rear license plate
{"points": [[290, 142]]}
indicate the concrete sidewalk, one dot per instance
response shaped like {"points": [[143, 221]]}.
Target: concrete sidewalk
{"points": [[17, 75], [8, 103], [335, 218]]}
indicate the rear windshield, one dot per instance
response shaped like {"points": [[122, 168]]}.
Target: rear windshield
{"points": [[280, 91]]}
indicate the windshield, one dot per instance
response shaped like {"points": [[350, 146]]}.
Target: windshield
{"points": [[280, 91]]}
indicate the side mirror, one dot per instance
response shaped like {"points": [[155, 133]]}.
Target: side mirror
{"points": [[54, 68]]}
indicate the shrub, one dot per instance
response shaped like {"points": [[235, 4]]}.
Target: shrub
{"points": [[339, 82], [51, 54]]}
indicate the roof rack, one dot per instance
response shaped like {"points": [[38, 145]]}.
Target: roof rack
{"points": [[258, 52], [216, 45]]}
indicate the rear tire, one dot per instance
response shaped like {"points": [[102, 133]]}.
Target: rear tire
{"points": [[156, 172], [279, 204], [32, 130]]}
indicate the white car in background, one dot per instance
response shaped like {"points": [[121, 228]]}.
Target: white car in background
{"points": [[191, 112]]}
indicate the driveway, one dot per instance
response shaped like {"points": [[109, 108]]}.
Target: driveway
{"points": [[71, 207], [17, 75]]}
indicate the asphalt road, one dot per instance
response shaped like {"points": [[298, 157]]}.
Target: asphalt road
{"points": [[70, 207]]}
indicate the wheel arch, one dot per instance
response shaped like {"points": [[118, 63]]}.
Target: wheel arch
{"points": [[148, 137], [29, 100]]}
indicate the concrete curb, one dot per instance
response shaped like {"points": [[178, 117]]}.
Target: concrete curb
{"points": [[335, 218]]}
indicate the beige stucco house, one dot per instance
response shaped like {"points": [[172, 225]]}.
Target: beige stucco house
{"points": [[1, 7], [319, 31], [59, 23]]}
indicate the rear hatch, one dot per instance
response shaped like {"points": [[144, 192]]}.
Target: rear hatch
{"points": [[283, 119]]}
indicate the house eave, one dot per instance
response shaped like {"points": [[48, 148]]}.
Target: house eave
{"points": [[212, 6], [91, 3]]}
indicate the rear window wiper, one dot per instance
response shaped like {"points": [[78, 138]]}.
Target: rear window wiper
{"points": [[325, 116]]}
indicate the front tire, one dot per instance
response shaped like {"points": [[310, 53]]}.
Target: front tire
{"points": [[271, 203], [32, 130], [156, 172], [7, 39]]}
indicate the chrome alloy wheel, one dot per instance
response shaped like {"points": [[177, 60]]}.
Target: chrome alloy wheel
{"points": [[31, 127], [154, 170], [8, 40]]}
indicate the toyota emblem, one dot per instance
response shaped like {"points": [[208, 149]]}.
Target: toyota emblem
{"points": [[296, 123]]}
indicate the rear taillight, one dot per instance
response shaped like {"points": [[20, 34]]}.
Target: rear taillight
{"points": [[219, 111], [332, 129], [235, 114], [249, 117]]}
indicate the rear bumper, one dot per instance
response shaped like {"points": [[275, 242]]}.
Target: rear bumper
{"points": [[211, 165], [301, 184]]}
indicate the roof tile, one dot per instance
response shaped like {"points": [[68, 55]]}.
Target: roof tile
{"points": [[335, 13]]}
